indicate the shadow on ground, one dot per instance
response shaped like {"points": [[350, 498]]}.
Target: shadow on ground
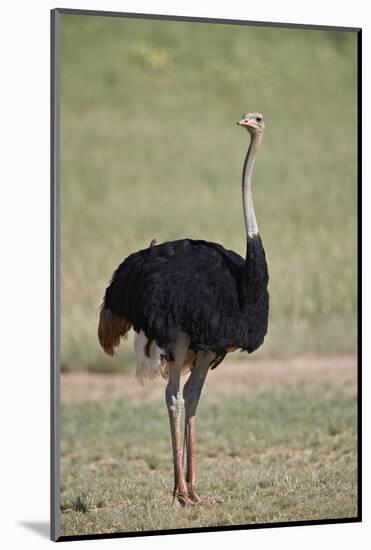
{"points": [[42, 528]]}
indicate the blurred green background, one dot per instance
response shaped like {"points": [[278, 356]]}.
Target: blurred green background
{"points": [[150, 149]]}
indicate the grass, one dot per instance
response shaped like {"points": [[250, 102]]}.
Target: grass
{"points": [[150, 149], [279, 455]]}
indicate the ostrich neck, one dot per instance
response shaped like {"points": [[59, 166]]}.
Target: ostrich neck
{"points": [[248, 206]]}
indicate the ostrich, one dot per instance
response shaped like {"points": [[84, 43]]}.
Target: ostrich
{"points": [[190, 302]]}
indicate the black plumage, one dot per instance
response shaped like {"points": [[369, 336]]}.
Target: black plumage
{"points": [[212, 294]]}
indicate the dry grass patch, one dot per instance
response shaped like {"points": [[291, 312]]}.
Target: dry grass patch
{"points": [[280, 454], [233, 376]]}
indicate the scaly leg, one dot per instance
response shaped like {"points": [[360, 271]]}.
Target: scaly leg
{"points": [[175, 404], [192, 391]]}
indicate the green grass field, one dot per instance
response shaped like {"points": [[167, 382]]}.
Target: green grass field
{"points": [[150, 149], [278, 450]]}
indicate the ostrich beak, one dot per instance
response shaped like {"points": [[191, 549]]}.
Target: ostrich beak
{"points": [[247, 122]]}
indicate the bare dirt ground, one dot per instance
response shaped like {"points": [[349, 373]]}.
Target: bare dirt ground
{"points": [[234, 377]]}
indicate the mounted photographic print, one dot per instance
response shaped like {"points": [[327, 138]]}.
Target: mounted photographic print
{"points": [[204, 277]]}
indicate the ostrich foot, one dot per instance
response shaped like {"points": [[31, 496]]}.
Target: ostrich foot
{"points": [[194, 497], [181, 498]]}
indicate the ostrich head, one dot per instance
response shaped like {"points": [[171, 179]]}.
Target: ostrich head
{"points": [[253, 122]]}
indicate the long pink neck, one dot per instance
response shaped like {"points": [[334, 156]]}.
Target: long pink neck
{"points": [[248, 205]]}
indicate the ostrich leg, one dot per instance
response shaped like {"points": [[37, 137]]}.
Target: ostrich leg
{"points": [[192, 391], [175, 404]]}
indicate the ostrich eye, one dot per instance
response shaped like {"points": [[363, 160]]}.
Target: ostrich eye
{"points": [[258, 119]]}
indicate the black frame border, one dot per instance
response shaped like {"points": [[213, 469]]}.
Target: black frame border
{"points": [[55, 273]]}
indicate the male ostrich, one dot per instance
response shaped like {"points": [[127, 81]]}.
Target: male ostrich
{"points": [[190, 302]]}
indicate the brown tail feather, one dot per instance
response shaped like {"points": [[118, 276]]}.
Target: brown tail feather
{"points": [[111, 329]]}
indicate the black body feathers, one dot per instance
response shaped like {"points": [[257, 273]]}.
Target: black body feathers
{"points": [[215, 296]]}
